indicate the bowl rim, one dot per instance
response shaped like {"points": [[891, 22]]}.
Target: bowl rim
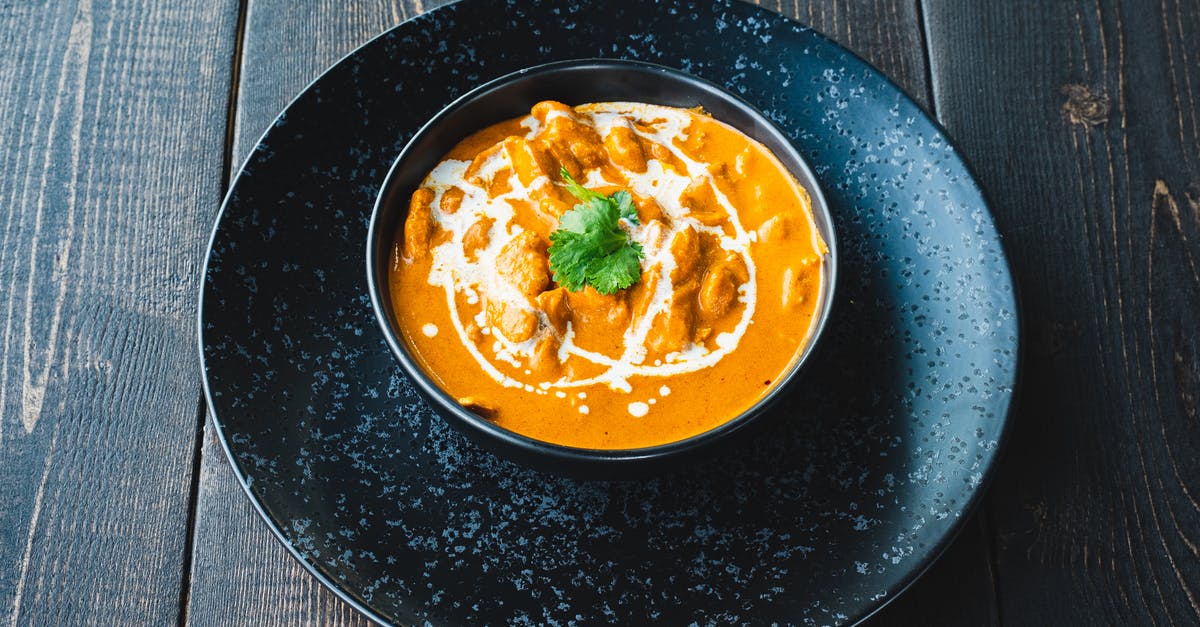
{"points": [[479, 426]]}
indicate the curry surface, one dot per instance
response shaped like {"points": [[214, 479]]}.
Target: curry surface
{"points": [[729, 287]]}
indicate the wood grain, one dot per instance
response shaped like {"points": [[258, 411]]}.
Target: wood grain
{"points": [[241, 575], [112, 121], [1082, 120]]}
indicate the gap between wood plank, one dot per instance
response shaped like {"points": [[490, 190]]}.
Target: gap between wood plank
{"points": [[185, 587], [189, 547], [927, 51], [235, 84]]}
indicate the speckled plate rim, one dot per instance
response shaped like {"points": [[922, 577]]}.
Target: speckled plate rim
{"points": [[976, 497], [923, 564]]}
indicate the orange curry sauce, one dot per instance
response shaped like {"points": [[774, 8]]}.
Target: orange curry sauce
{"points": [[729, 285]]}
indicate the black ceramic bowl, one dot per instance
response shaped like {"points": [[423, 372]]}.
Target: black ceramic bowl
{"points": [[573, 83]]}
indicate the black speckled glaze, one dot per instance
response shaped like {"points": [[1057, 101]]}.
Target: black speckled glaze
{"points": [[820, 518]]}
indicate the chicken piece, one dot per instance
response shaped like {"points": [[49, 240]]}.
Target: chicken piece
{"points": [[642, 293], [674, 326], [515, 323], [735, 264], [544, 360], [524, 264], [530, 161], [798, 282], [616, 177], [500, 183], [625, 149], [419, 225], [547, 108], [722, 170], [528, 216], [553, 207], [701, 200], [591, 308], [647, 209], [562, 156], [477, 237], [451, 200], [718, 291], [540, 174], [554, 304], [685, 248], [481, 171], [661, 153], [565, 131]]}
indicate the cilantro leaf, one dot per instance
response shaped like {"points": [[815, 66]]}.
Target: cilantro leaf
{"points": [[590, 247], [589, 215], [577, 190], [625, 206], [569, 257], [617, 270]]}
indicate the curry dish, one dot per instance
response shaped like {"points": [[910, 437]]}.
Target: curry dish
{"points": [[727, 275]]}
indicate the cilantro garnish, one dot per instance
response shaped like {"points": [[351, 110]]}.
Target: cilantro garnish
{"points": [[590, 247]]}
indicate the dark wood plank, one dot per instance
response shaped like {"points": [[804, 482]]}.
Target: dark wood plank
{"points": [[1082, 118], [241, 574], [112, 123]]}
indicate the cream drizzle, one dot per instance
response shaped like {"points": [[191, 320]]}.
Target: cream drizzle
{"points": [[455, 273]]}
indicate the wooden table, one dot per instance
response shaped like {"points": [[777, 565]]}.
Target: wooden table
{"points": [[120, 126]]}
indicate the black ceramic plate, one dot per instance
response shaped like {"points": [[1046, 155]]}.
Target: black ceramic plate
{"points": [[824, 516]]}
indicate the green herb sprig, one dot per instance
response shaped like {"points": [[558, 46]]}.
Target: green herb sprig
{"points": [[590, 247]]}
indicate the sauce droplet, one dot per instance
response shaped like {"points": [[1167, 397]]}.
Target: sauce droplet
{"points": [[429, 329], [638, 409], [664, 391]]}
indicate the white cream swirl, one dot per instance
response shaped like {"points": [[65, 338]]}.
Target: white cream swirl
{"points": [[474, 277]]}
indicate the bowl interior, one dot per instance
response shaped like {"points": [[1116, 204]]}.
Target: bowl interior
{"points": [[574, 83]]}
